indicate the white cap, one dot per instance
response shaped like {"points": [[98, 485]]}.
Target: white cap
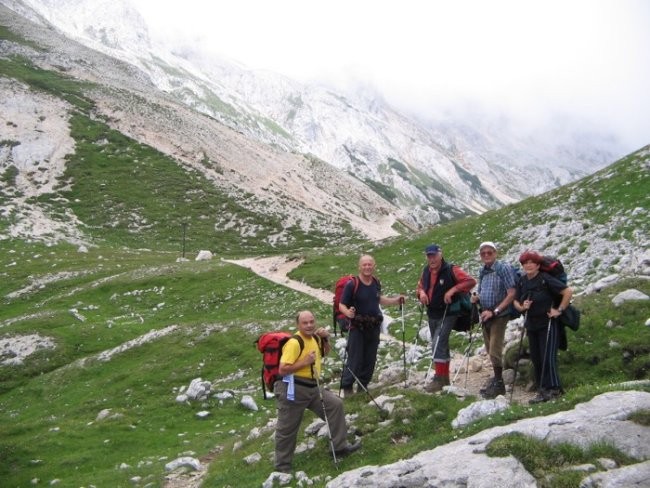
{"points": [[487, 244]]}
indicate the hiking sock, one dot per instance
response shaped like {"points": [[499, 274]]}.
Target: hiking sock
{"points": [[446, 369], [441, 370]]}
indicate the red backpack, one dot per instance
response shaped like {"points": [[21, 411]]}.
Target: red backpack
{"points": [[338, 293], [270, 344]]}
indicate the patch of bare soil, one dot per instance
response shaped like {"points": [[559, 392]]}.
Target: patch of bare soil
{"points": [[473, 379], [276, 269]]}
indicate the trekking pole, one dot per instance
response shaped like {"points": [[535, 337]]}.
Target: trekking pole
{"points": [[465, 357], [343, 366], [521, 344], [401, 307], [469, 348], [469, 351], [419, 323], [356, 378], [329, 431], [435, 348], [548, 333]]}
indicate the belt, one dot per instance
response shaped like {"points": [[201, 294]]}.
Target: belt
{"points": [[305, 382]]}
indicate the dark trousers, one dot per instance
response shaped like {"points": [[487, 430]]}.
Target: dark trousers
{"points": [[362, 355], [440, 330], [543, 344]]}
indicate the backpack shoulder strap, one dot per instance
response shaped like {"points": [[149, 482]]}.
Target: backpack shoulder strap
{"points": [[355, 280], [377, 281], [451, 272], [300, 340], [301, 343]]}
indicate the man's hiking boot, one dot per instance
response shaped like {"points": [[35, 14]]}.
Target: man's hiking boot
{"points": [[487, 385], [347, 450], [546, 395], [494, 389], [437, 384], [348, 392]]}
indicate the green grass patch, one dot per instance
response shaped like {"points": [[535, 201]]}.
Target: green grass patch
{"points": [[550, 464]]}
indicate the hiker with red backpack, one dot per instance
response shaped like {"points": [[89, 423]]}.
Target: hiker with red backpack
{"points": [[338, 318], [496, 290], [439, 289], [360, 303], [543, 298], [298, 388]]}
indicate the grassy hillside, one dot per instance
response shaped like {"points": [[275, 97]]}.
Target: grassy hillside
{"points": [[124, 327], [207, 315]]}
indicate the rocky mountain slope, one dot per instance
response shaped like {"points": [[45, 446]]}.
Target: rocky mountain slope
{"points": [[247, 131], [290, 186]]}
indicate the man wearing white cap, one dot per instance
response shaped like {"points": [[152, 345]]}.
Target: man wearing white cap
{"points": [[496, 290]]}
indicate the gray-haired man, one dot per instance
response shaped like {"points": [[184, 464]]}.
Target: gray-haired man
{"points": [[496, 290]]}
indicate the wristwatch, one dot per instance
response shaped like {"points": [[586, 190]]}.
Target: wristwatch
{"points": [[560, 309], [496, 311]]}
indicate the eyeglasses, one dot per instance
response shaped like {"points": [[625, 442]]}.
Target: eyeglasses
{"points": [[487, 253]]}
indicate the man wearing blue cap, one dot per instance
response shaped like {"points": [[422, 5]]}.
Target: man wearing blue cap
{"points": [[439, 289]]}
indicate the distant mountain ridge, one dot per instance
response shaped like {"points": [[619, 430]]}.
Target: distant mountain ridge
{"points": [[405, 170]]}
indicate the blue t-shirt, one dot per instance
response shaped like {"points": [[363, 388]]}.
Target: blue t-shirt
{"points": [[365, 300]]}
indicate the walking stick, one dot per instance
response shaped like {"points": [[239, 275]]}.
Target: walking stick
{"points": [[356, 378], [401, 307], [329, 431], [466, 357], [548, 333], [469, 346], [435, 348], [469, 350], [343, 366], [419, 323], [521, 343]]}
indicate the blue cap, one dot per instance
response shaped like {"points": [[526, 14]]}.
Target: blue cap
{"points": [[432, 249]]}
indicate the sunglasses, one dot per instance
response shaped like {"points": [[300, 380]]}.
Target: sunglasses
{"points": [[487, 253]]}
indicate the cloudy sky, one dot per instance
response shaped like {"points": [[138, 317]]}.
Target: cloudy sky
{"points": [[585, 59]]}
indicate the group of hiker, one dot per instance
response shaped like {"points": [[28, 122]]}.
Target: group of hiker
{"points": [[441, 289]]}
